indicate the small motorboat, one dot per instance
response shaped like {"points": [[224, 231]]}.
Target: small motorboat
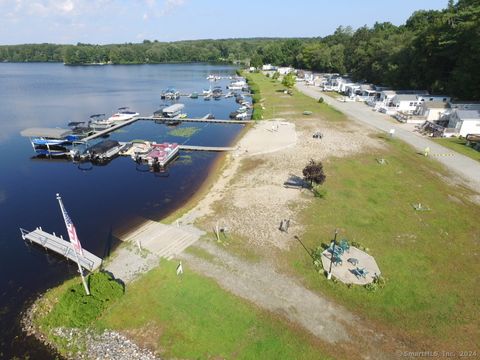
{"points": [[123, 114]]}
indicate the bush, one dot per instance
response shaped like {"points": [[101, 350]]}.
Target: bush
{"points": [[255, 98], [78, 310], [378, 282], [321, 100], [317, 258]]}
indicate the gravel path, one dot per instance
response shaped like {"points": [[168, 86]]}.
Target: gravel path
{"points": [[281, 294], [467, 168]]}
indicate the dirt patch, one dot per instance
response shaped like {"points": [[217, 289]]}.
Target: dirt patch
{"points": [[147, 336], [256, 201]]}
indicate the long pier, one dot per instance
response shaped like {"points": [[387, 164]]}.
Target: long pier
{"points": [[131, 121], [110, 129], [205, 148], [216, 121], [57, 244]]}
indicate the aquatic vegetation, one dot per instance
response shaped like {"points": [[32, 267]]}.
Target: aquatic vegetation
{"points": [[185, 132], [184, 160]]}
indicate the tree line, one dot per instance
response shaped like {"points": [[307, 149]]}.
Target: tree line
{"points": [[436, 50]]}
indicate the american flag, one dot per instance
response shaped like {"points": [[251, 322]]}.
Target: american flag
{"points": [[72, 232]]}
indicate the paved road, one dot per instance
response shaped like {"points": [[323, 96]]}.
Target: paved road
{"points": [[467, 168]]}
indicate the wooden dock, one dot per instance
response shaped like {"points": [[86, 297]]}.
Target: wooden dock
{"points": [[205, 148], [110, 129], [57, 244], [131, 121], [215, 121]]}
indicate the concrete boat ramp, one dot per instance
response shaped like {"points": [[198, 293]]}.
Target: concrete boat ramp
{"points": [[162, 240]]}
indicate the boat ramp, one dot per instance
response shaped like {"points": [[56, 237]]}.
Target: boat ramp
{"points": [[63, 247]]}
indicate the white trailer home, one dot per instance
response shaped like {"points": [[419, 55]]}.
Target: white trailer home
{"points": [[465, 122], [405, 103]]}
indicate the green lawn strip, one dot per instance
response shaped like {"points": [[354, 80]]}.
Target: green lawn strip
{"points": [[278, 104], [459, 146], [200, 320], [427, 257]]}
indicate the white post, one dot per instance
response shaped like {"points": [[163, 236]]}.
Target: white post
{"points": [[81, 273], [217, 232]]}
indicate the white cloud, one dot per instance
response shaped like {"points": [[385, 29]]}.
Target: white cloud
{"points": [[169, 6], [65, 6]]}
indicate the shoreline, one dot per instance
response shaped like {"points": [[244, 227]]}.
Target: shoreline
{"points": [[214, 173], [33, 307]]}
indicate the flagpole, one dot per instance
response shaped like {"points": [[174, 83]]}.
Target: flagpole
{"points": [[80, 270]]}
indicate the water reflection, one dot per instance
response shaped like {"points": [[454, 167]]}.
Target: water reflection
{"points": [[99, 198]]}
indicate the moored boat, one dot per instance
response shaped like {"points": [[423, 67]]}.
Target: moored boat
{"points": [[99, 122], [173, 111], [123, 114], [159, 155], [49, 141], [103, 151]]}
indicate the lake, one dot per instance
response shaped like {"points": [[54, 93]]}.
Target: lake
{"points": [[103, 198]]}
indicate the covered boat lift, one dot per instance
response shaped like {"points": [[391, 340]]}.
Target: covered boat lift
{"points": [[47, 133], [56, 136]]}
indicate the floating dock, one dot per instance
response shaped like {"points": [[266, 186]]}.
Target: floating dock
{"points": [[205, 148], [109, 130], [57, 244], [216, 121], [131, 121]]}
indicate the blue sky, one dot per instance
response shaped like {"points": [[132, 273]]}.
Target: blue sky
{"points": [[119, 21]]}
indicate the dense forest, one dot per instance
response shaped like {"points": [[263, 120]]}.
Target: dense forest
{"points": [[434, 50]]}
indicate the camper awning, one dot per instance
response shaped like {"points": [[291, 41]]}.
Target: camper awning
{"points": [[52, 133]]}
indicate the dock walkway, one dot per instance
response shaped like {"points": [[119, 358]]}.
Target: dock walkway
{"points": [[205, 148], [215, 121], [109, 130], [131, 121], [57, 244]]}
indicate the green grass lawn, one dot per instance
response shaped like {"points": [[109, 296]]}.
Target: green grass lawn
{"points": [[430, 259], [192, 317], [459, 146], [278, 104]]}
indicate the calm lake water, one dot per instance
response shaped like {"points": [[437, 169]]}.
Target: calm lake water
{"points": [[99, 200]]}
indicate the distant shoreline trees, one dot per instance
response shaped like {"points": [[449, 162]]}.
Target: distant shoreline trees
{"points": [[436, 50]]}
